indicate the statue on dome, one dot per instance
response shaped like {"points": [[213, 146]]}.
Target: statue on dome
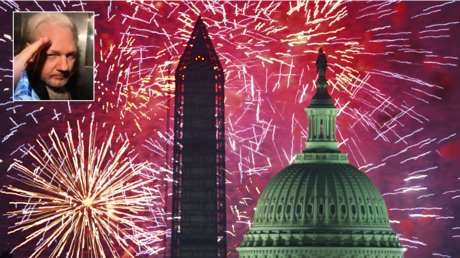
{"points": [[321, 63]]}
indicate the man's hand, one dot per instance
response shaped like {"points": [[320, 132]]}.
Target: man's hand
{"points": [[26, 56]]}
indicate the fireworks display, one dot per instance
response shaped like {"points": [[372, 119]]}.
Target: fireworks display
{"points": [[392, 72], [82, 199]]}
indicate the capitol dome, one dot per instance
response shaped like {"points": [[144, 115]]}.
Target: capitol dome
{"points": [[322, 194], [333, 199], [321, 206]]}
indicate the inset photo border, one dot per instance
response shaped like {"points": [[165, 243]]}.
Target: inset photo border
{"points": [[53, 56]]}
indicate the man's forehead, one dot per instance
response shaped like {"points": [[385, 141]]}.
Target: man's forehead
{"points": [[46, 26], [61, 37]]}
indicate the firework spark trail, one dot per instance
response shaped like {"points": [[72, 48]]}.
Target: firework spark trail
{"points": [[381, 165], [158, 148], [32, 114], [83, 195]]}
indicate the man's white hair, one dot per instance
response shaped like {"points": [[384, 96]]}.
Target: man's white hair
{"points": [[53, 18]]}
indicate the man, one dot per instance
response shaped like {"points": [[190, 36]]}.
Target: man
{"points": [[42, 70]]}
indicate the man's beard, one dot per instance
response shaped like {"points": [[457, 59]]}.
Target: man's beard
{"points": [[59, 84]]}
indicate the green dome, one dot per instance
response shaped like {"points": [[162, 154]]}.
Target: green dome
{"points": [[326, 208], [330, 199], [318, 195], [321, 206]]}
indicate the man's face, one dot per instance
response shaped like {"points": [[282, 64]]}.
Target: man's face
{"points": [[56, 61]]}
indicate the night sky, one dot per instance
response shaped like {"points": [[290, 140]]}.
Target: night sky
{"points": [[392, 72]]}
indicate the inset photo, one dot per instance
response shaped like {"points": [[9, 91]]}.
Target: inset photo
{"points": [[53, 56]]}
